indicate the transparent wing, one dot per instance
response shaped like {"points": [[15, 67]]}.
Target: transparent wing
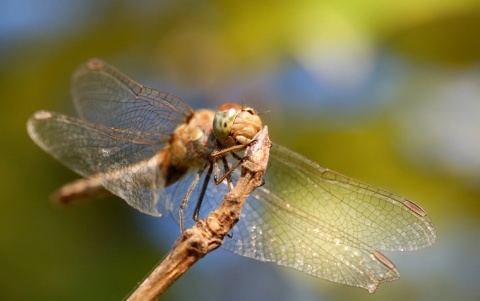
{"points": [[341, 210], [128, 124], [104, 95], [120, 159], [322, 223]]}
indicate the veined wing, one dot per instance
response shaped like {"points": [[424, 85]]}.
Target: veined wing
{"points": [[122, 160], [342, 210], [322, 223], [104, 95], [128, 124]]}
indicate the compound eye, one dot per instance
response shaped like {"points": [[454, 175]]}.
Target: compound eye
{"points": [[224, 119]]}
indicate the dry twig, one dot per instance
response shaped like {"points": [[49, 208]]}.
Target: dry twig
{"points": [[208, 234]]}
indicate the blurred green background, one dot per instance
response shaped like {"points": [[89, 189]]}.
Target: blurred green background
{"points": [[387, 92]]}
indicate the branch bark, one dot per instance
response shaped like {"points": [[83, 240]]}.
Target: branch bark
{"points": [[207, 235]]}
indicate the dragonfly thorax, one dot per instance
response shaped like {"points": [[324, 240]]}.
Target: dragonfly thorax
{"points": [[234, 124]]}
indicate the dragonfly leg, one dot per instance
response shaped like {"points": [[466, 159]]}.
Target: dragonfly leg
{"points": [[236, 156], [186, 197], [217, 176], [228, 172], [228, 150], [202, 193]]}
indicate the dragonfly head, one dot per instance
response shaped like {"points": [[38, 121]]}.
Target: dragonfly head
{"points": [[234, 124]]}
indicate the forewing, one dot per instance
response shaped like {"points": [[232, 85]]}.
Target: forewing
{"points": [[320, 222], [340, 209], [104, 95], [325, 224], [121, 160]]}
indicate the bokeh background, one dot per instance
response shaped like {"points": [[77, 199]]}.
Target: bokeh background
{"points": [[387, 92]]}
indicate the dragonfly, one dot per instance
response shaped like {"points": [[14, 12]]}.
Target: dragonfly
{"points": [[153, 150]]}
